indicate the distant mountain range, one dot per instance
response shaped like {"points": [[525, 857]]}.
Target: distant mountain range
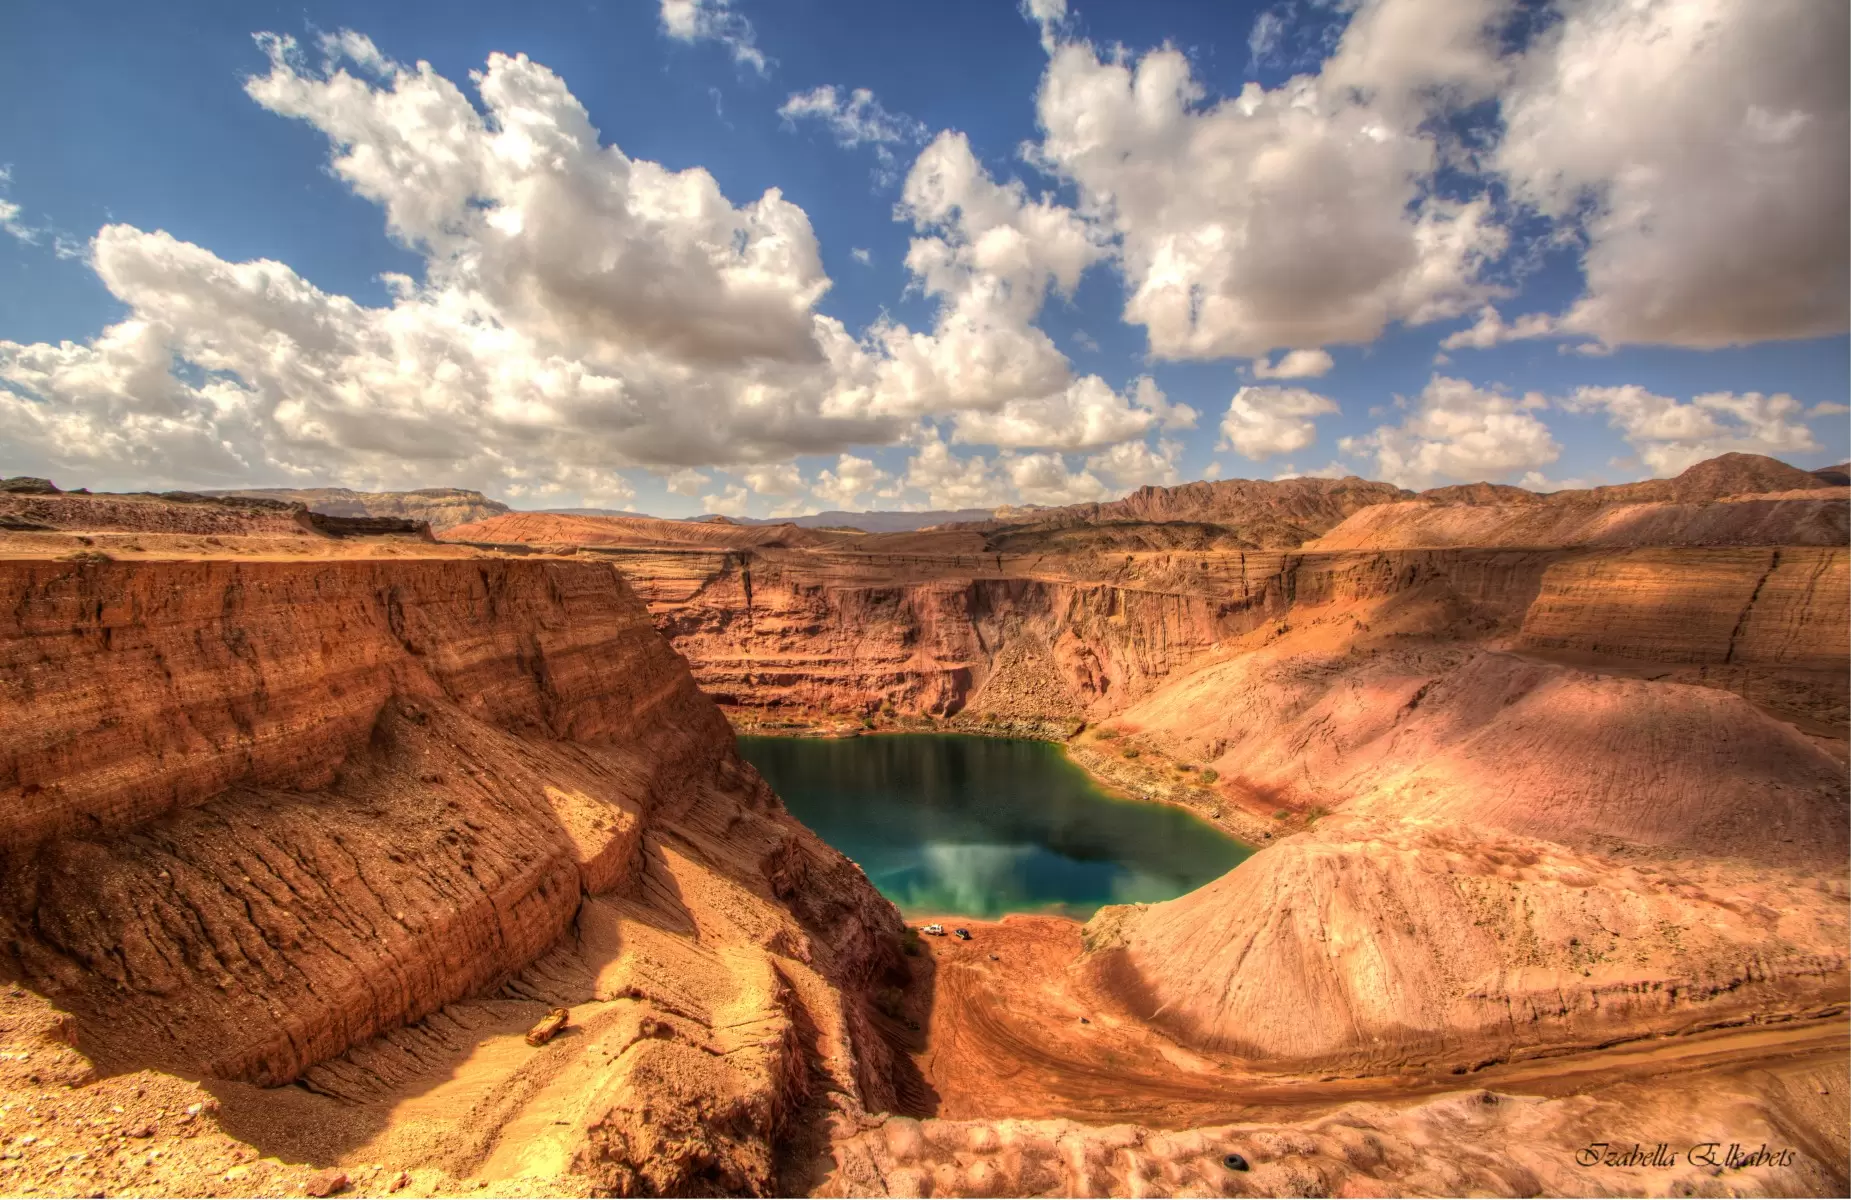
{"points": [[1283, 513], [867, 522]]}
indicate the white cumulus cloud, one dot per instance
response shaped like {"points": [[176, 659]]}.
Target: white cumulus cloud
{"points": [[686, 482], [1295, 217], [1265, 420], [1701, 146], [1085, 415], [1135, 464], [773, 479], [581, 312], [852, 479], [1459, 432], [1295, 364], [730, 501], [946, 480], [1490, 329], [1671, 435]]}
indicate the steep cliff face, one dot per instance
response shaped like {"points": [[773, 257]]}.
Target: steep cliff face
{"points": [[808, 630], [256, 815], [274, 673], [767, 632], [1087, 609], [1780, 606]]}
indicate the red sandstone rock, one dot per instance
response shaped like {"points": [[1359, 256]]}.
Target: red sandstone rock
{"points": [[263, 814], [548, 1027]]}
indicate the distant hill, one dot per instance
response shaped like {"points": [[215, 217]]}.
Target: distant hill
{"points": [[1277, 513], [1731, 500], [1712, 479], [628, 529], [1271, 513], [596, 512], [867, 522], [441, 507]]}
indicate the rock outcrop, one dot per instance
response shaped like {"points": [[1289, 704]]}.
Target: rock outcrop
{"points": [[150, 514], [440, 508]]}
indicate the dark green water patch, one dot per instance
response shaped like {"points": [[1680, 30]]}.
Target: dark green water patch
{"points": [[944, 823]]}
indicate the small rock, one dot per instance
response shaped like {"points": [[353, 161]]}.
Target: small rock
{"points": [[142, 1131], [548, 1027], [325, 1183], [401, 1180]]}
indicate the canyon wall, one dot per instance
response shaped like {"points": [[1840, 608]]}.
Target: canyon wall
{"points": [[808, 631], [1733, 574], [143, 688], [255, 816]]}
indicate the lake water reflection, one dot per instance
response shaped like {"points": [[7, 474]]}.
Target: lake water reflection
{"points": [[984, 826]]}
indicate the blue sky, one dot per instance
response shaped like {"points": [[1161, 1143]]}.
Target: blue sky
{"points": [[309, 259]]}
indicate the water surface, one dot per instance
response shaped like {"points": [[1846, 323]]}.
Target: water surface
{"points": [[945, 823]]}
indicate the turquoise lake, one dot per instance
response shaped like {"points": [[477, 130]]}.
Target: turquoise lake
{"points": [[980, 826]]}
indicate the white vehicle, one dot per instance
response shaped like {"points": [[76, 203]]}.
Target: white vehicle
{"points": [[935, 929]]}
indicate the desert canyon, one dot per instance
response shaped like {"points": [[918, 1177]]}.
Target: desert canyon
{"points": [[307, 817]]}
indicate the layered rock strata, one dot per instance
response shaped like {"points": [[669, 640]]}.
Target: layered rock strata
{"points": [[254, 815]]}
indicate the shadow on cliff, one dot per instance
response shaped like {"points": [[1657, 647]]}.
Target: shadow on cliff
{"points": [[905, 1034]]}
